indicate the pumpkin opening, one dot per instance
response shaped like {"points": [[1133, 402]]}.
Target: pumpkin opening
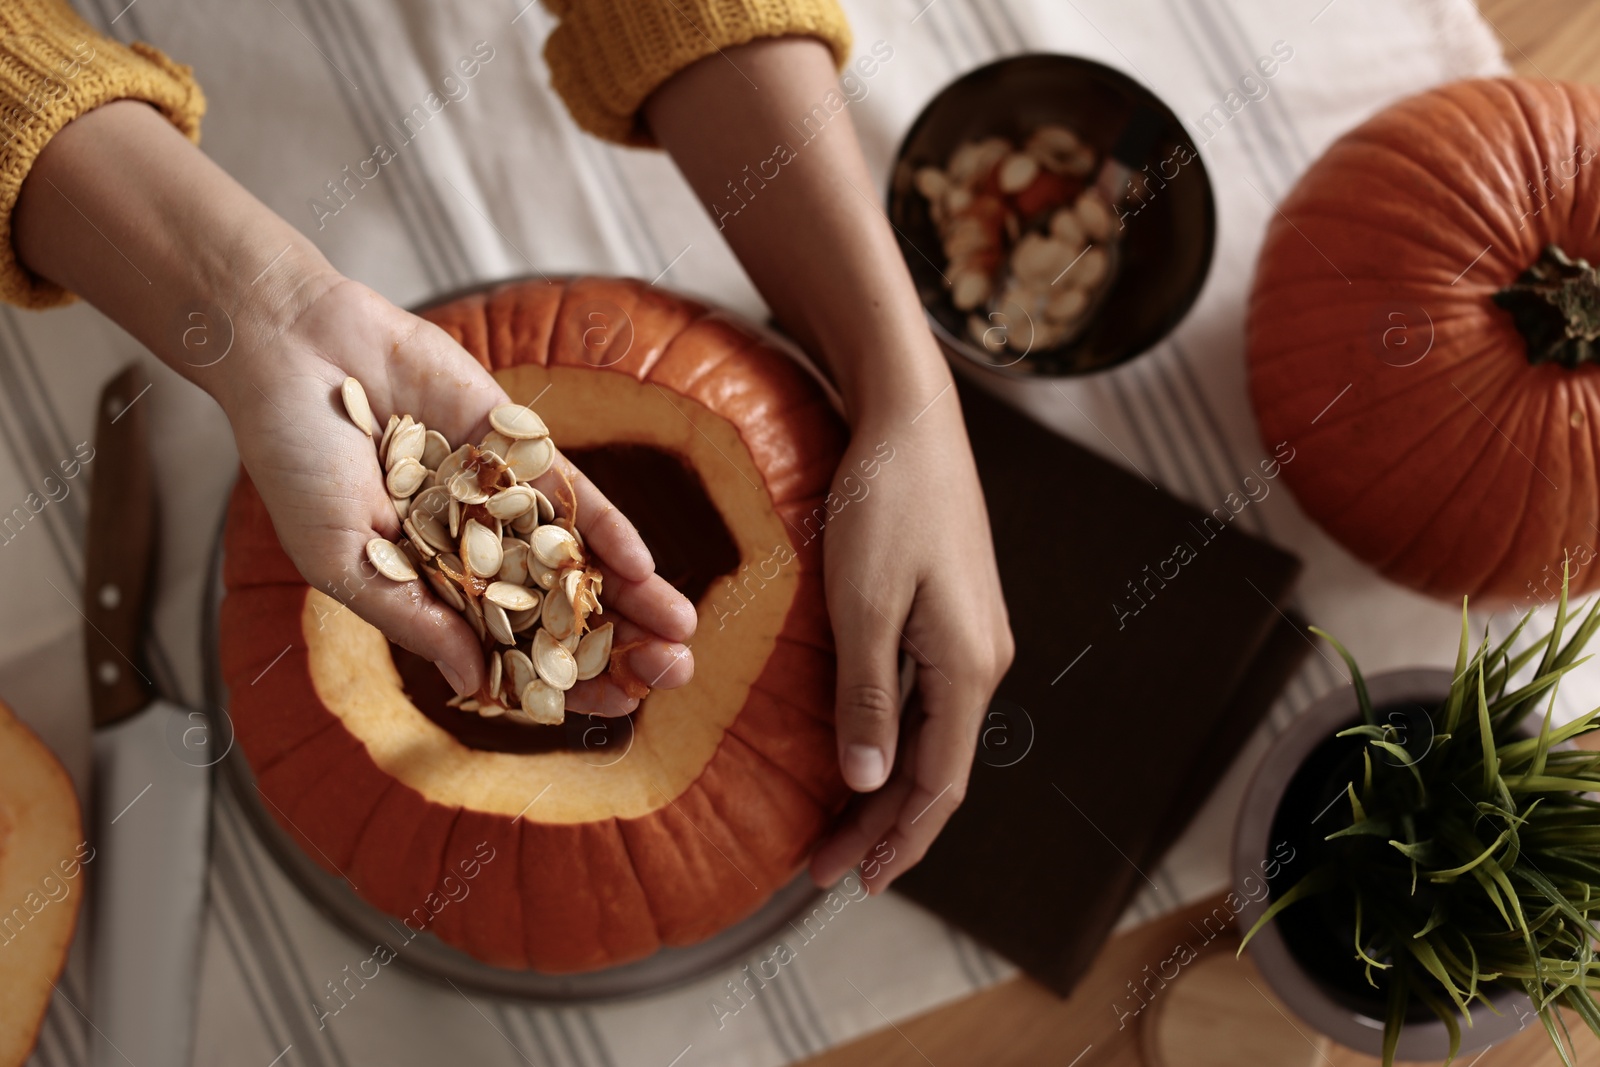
{"points": [[692, 548], [1556, 306]]}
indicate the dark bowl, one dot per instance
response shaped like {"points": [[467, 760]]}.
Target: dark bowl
{"points": [[1165, 243]]}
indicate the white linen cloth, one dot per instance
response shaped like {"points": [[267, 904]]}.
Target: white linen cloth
{"points": [[501, 183]]}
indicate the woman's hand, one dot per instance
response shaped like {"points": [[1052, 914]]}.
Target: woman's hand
{"points": [[321, 481], [910, 568], [910, 564], [122, 210]]}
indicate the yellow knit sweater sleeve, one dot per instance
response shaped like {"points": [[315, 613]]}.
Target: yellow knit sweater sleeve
{"points": [[53, 68], [607, 56]]}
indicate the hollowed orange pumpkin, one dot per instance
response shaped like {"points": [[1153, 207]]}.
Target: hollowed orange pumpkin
{"points": [[514, 843], [1427, 357]]}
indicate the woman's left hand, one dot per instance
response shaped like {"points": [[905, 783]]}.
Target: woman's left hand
{"points": [[910, 568]]}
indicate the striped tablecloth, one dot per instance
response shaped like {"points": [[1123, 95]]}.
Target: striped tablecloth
{"points": [[500, 183]]}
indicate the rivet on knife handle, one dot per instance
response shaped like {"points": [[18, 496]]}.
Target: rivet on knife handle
{"points": [[119, 549]]}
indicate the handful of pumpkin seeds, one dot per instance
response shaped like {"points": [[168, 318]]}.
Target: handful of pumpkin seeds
{"points": [[491, 546]]}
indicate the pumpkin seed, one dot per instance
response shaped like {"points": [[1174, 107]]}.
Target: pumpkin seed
{"points": [[448, 591], [455, 517], [518, 670], [490, 709], [402, 506], [594, 652], [390, 561], [547, 510], [405, 477], [531, 457], [432, 530], [518, 422], [543, 704], [464, 486], [525, 523], [426, 550], [431, 504], [557, 616], [404, 423], [494, 618], [480, 549], [1094, 214], [356, 406], [468, 705], [474, 614], [495, 442], [542, 576], [521, 620], [512, 503], [452, 463], [407, 443], [570, 642], [511, 597], [582, 587], [388, 432], [554, 546], [553, 662], [495, 673], [434, 449], [513, 561]]}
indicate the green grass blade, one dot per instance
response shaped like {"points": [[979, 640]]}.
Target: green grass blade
{"points": [[1394, 1019], [1553, 649], [1318, 881], [1491, 760], [1482, 857], [1446, 1016], [1362, 700]]}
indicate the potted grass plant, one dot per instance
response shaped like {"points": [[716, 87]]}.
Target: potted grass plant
{"points": [[1444, 897]]}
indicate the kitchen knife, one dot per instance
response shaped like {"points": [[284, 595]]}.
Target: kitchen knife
{"points": [[151, 781]]}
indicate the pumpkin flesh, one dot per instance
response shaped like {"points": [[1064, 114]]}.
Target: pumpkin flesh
{"points": [[42, 853]]}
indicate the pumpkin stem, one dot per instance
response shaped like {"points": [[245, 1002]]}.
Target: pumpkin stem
{"points": [[1556, 305]]}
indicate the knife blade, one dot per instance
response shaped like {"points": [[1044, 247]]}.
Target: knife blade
{"points": [[152, 802]]}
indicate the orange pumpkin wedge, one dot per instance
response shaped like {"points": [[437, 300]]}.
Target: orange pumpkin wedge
{"points": [[42, 852]]}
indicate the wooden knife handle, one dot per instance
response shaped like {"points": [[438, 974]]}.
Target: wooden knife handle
{"points": [[119, 549]]}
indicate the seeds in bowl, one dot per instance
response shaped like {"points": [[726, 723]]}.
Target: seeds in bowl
{"points": [[1030, 245], [493, 548]]}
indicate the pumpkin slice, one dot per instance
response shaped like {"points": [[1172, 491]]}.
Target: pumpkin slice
{"points": [[585, 845], [42, 851]]}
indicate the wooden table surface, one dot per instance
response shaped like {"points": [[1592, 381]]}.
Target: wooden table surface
{"points": [[1021, 1024]]}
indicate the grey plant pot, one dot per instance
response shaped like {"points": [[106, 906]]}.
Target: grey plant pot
{"points": [[1294, 985]]}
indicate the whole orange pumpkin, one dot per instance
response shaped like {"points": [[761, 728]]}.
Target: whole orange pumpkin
{"points": [[530, 847], [1422, 330]]}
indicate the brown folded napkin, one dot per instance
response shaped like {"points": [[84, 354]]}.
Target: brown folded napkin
{"points": [[1149, 646]]}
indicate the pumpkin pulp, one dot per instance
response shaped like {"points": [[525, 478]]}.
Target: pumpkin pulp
{"points": [[1556, 306]]}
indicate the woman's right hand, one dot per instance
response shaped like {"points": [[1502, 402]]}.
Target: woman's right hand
{"points": [[320, 479], [122, 210]]}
